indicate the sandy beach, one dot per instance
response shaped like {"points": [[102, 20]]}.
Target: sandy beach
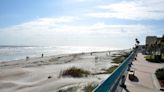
{"points": [[32, 75]]}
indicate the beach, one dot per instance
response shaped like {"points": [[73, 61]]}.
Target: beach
{"points": [[44, 74]]}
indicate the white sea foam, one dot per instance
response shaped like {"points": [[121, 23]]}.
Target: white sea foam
{"points": [[8, 53]]}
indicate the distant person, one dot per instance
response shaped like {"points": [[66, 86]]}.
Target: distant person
{"points": [[42, 55], [96, 59], [27, 58], [107, 54]]}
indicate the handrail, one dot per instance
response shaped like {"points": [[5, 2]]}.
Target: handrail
{"points": [[112, 81]]}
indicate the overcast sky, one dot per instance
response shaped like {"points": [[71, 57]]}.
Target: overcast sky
{"points": [[107, 23]]}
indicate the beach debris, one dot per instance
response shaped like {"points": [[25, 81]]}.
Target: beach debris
{"points": [[49, 77]]}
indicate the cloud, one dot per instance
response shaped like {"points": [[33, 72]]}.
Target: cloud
{"points": [[85, 1], [64, 31], [79, 0], [65, 25], [110, 30], [134, 10], [50, 21], [41, 24]]}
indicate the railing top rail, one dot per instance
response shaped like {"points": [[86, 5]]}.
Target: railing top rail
{"points": [[109, 83]]}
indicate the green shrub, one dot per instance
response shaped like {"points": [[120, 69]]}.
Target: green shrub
{"points": [[153, 58], [162, 56], [160, 73], [75, 72], [149, 57]]}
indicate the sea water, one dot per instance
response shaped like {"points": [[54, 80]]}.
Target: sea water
{"points": [[8, 53]]}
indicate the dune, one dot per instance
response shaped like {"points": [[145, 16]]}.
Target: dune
{"points": [[44, 74]]}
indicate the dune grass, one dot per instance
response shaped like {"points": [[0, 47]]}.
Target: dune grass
{"points": [[71, 89], [120, 59], [89, 87], [75, 72], [111, 69], [107, 71]]}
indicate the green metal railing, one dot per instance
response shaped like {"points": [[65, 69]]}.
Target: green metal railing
{"points": [[111, 83]]}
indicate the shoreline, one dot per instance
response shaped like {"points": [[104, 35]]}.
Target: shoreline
{"points": [[45, 58], [51, 55], [11, 53]]}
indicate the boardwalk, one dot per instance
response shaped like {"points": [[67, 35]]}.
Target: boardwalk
{"points": [[144, 72]]}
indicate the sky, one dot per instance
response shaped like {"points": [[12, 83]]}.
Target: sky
{"points": [[99, 23]]}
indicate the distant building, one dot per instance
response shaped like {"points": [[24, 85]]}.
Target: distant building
{"points": [[155, 44], [160, 42], [150, 40]]}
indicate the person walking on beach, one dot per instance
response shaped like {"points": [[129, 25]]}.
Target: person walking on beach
{"points": [[42, 55], [27, 58], [96, 59]]}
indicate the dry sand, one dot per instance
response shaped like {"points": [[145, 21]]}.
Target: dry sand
{"points": [[32, 75]]}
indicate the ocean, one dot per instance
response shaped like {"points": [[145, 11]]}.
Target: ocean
{"points": [[8, 53]]}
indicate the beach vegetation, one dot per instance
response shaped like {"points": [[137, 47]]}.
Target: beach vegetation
{"points": [[70, 89], [90, 87], [111, 69], [107, 71], [75, 72], [120, 59]]}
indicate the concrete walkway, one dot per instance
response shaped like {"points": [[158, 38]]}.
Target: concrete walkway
{"points": [[145, 77]]}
